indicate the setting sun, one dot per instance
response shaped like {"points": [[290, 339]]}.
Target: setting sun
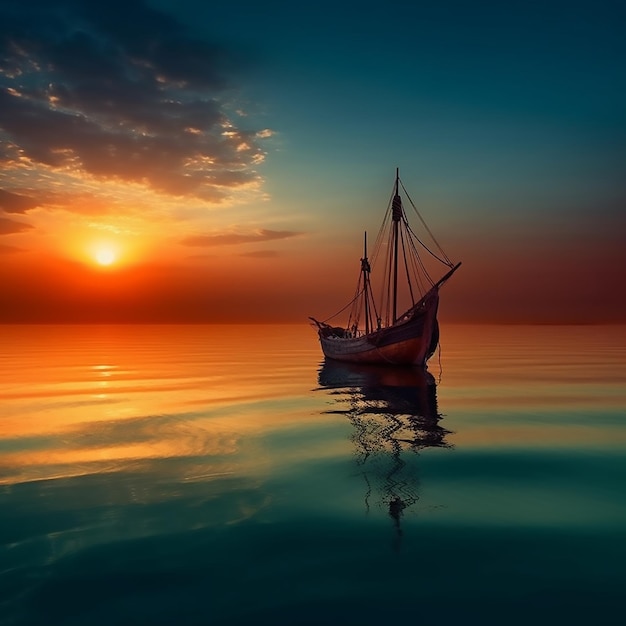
{"points": [[105, 255], [105, 251]]}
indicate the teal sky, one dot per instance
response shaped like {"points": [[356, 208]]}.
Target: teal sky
{"points": [[507, 119]]}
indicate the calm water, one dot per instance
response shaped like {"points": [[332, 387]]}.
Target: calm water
{"points": [[226, 475]]}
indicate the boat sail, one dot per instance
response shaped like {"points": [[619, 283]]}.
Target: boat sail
{"points": [[374, 331]]}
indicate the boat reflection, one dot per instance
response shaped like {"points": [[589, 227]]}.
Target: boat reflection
{"points": [[394, 413]]}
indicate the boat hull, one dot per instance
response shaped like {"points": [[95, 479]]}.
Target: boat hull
{"points": [[411, 341]]}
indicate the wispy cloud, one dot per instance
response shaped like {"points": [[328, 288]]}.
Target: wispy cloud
{"points": [[6, 249], [9, 227], [233, 238], [15, 203], [261, 254], [138, 99]]}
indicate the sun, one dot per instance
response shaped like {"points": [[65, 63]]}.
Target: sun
{"points": [[104, 253], [105, 256]]}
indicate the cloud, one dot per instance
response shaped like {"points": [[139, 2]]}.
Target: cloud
{"points": [[83, 90], [261, 254], [229, 239], [9, 227], [6, 249], [14, 203]]}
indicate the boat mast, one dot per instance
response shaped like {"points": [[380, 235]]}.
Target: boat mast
{"points": [[365, 268], [396, 215]]}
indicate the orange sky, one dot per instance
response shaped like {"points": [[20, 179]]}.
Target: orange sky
{"points": [[290, 284], [169, 175]]}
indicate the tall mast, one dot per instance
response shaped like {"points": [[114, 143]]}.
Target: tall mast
{"points": [[397, 214], [365, 268]]}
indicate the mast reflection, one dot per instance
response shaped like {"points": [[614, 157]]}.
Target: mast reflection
{"points": [[394, 413]]}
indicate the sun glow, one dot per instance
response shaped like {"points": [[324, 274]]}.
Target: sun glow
{"points": [[104, 253], [105, 256]]}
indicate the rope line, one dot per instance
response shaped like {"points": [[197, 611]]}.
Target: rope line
{"points": [[443, 254]]}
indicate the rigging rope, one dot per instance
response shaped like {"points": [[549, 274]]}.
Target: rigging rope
{"points": [[406, 268], [441, 250], [446, 262], [420, 274], [358, 295], [381, 230], [418, 257]]}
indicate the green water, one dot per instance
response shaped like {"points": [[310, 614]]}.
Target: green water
{"points": [[226, 475]]}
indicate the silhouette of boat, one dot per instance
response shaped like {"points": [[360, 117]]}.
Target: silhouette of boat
{"points": [[374, 332]]}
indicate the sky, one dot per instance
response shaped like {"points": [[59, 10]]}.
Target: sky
{"points": [[184, 161]]}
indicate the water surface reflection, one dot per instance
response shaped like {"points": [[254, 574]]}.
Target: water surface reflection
{"points": [[196, 475], [394, 413]]}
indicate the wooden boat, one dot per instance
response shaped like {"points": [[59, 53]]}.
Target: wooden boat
{"points": [[374, 332]]}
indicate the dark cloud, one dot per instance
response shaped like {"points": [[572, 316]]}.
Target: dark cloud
{"points": [[14, 203], [120, 90], [9, 227], [6, 249], [229, 239]]}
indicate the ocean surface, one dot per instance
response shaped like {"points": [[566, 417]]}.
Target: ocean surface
{"points": [[228, 475]]}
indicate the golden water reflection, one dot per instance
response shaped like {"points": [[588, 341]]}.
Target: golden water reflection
{"points": [[93, 399], [90, 399], [534, 387]]}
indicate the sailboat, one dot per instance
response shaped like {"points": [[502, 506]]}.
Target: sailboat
{"points": [[375, 332]]}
